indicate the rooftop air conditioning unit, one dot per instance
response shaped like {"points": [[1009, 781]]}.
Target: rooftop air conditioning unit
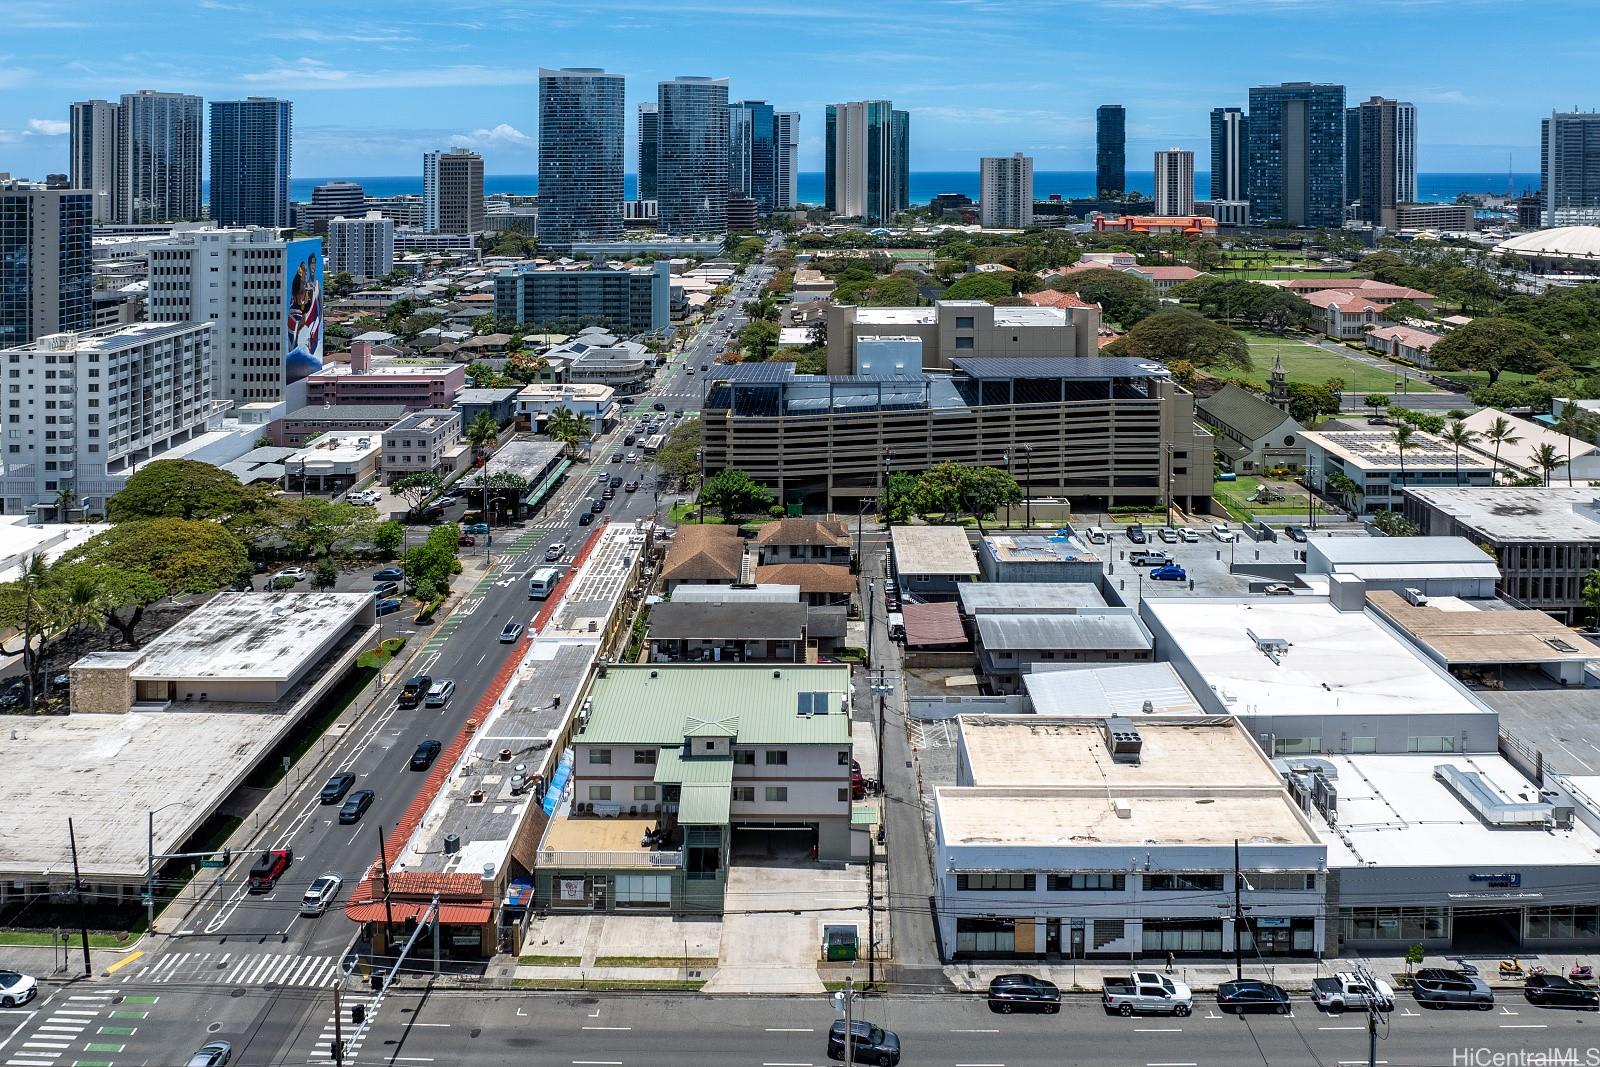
{"points": [[1123, 740], [1416, 597]]}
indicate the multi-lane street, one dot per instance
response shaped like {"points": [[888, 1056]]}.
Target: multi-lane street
{"points": [[247, 968]]}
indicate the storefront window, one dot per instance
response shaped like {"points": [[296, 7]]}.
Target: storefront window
{"points": [[983, 937], [1186, 935], [1558, 923], [1395, 924], [1296, 746]]}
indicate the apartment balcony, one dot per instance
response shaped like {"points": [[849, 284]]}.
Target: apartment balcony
{"points": [[599, 842]]}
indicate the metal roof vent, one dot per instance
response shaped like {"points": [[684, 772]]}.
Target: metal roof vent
{"points": [[1123, 740]]}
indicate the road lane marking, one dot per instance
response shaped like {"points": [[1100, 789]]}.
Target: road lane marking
{"points": [[123, 962], [1167, 1030], [1523, 1026], [1340, 1028], [791, 1029], [608, 1028]]}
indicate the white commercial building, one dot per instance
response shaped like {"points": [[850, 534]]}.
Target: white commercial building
{"points": [[1434, 566], [1174, 183], [1306, 678], [240, 280], [422, 441], [1380, 470], [596, 402], [1007, 192], [1085, 838], [334, 462], [89, 406], [361, 247]]}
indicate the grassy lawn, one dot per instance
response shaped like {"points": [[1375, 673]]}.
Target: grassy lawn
{"points": [[655, 961], [45, 938], [1472, 379], [549, 961], [690, 986], [1306, 362], [687, 512], [1259, 274]]}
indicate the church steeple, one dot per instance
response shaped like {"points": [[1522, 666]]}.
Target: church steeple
{"points": [[1278, 385]]}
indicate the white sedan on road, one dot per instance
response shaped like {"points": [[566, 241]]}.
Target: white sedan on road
{"points": [[16, 989]]}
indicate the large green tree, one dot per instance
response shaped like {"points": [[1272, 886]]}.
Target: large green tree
{"points": [[1491, 345], [184, 489], [677, 457], [734, 493], [1309, 402], [992, 287], [1180, 334], [758, 340], [1124, 299]]}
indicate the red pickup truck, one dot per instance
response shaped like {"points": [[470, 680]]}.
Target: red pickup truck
{"points": [[268, 868]]}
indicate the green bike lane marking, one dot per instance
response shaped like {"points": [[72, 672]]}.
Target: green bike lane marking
{"points": [[101, 1046], [118, 1031], [91, 1063], [130, 1014], [142, 998]]}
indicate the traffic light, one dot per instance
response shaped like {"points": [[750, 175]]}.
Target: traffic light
{"points": [[337, 1048], [411, 925], [227, 856], [377, 983], [358, 1013]]}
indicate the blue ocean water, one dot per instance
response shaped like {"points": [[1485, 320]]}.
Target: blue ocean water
{"points": [[926, 184]]}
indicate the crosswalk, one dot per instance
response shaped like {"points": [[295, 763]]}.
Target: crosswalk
{"points": [[83, 1030], [270, 969], [345, 1029]]}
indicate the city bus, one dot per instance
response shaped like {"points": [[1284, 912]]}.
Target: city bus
{"points": [[653, 443], [542, 582]]}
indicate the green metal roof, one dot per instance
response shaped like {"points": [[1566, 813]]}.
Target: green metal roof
{"points": [[704, 805], [700, 770], [659, 704]]}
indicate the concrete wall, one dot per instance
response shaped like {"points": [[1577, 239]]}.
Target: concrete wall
{"points": [[98, 687], [930, 708]]}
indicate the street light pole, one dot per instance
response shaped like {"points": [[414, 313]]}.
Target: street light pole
{"points": [[1027, 483], [1005, 457], [700, 458]]}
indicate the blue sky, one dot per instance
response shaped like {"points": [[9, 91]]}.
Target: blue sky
{"points": [[375, 84]]}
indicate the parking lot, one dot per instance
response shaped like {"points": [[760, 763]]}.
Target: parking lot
{"points": [[1212, 568]]}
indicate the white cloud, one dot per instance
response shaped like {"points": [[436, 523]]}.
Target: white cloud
{"points": [[306, 73], [50, 127], [503, 134]]}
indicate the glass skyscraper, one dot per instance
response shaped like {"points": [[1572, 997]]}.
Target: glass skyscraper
{"points": [[692, 157], [649, 138], [787, 180], [1297, 154], [1110, 150], [46, 261], [250, 154], [1569, 158], [753, 153], [867, 147], [1230, 153], [158, 157], [581, 117]]}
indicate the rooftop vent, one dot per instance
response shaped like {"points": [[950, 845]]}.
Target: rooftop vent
{"points": [[1475, 792], [1274, 648], [1123, 740], [1416, 597], [1123, 809]]}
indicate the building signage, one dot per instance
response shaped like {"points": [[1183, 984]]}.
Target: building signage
{"points": [[1270, 924], [572, 889], [1498, 879]]}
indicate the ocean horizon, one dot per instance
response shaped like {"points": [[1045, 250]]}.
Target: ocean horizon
{"points": [[1435, 188]]}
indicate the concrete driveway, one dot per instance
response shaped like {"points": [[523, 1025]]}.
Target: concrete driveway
{"points": [[769, 948]]}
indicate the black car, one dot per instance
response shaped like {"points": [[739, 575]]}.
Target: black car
{"points": [[1023, 992], [1556, 991], [659, 406], [868, 1043], [425, 754], [616, 481], [586, 518], [1249, 995], [337, 787], [1296, 533], [355, 805], [1137, 535], [414, 690], [1440, 987], [597, 505]]}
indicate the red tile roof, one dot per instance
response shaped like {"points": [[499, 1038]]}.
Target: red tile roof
{"points": [[810, 577], [1406, 335], [1050, 298], [934, 624]]}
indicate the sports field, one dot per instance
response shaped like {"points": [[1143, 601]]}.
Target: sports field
{"points": [[1306, 362]]}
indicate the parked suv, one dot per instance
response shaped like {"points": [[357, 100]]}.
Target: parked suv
{"points": [[868, 1043], [1013, 992], [1440, 987]]}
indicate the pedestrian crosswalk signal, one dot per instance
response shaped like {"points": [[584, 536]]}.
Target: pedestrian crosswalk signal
{"points": [[358, 1014]]}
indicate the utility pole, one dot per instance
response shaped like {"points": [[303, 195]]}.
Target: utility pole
{"points": [[872, 911], [1371, 984], [849, 1020], [880, 737], [1238, 914], [1027, 483], [436, 925], [338, 1029], [869, 626], [388, 910], [77, 887], [150, 872]]}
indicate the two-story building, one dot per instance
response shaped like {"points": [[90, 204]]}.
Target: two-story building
{"points": [[424, 441], [1381, 470], [681, 770], [1012, 645], [1079, 838], [803, 540]]}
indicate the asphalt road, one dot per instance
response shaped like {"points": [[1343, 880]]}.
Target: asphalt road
{"points": [[624, 1030], [246, 967]]}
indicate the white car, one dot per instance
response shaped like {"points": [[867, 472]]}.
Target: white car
{"points": [[364, 497], [16, 989], [1223, 534], [320, 894], [297, 574], [1188, 536]]}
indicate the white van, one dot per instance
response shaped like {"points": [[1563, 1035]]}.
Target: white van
{"points": [[542, 582], [1096, 536]]}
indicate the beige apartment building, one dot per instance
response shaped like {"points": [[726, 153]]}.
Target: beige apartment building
{"points": [[1099, 431], [954, 328]]}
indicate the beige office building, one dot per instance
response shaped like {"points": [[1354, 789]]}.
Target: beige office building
{"points": [[956, 328]]}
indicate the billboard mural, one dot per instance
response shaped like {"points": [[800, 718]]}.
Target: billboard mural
{"points": [[303, 308]]}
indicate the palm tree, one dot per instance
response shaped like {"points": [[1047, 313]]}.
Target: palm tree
{"points": [[567, 426], [1500, 432], [1547, 459], [1574, 422], [1458, 433], [1405, 439], [67, 498], [482, 431], [1590, 593]]}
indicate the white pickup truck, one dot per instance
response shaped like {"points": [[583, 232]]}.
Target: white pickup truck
{"points": [[1145, 993], [1345, 991]]}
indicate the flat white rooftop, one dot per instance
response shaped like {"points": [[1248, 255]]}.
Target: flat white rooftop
{"points": [[249, 636], [1536, 513], [1017, 750], [107, 772], [1393, 813], [1086, 817], [933, 550], [1337, 663], [335, 449]]}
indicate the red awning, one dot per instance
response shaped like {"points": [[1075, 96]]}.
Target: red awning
{"points": [[932, 625], [401, 910]]}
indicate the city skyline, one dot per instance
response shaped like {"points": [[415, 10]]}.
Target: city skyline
{"points": [[402, 80]]}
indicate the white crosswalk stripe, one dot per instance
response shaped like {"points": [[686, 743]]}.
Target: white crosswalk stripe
{"points": [[288, 969]]}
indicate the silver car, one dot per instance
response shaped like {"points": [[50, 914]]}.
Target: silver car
{"points": [[320, 894], [211, 1054]]}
